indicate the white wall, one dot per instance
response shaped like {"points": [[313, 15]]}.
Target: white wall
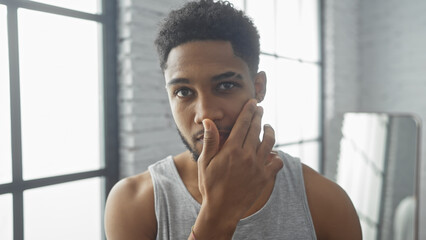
{"points": [[393, 63], [375, 61]]}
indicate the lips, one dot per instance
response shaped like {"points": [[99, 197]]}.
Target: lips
{"points": [[223, 136]]}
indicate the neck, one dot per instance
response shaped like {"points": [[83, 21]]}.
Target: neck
{"points": [[188, 172]]}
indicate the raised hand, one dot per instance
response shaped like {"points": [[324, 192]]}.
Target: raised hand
{"points": [[231, 179]]}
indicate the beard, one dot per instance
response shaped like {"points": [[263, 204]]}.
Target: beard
{"points": [[192, 150], [196, 154]]}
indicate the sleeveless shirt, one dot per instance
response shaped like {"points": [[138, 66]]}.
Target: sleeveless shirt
{"points": [[285, 215]]}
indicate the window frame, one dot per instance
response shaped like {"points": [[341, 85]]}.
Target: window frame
{"points": [[109, 173]]}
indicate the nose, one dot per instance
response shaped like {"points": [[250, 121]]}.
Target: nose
{"points": [[208, 107]]}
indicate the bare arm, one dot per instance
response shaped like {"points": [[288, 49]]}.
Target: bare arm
{"points": [[332, 211], [129, 212]]}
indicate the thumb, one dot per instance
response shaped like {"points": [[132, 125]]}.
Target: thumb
{"points": [[210, 142]]}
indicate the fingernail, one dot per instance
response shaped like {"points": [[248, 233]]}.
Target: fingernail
{"points": [[206, 125]]}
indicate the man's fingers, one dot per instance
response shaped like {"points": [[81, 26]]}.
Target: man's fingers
{"points": [[274, 164], [243, 122], [252, 138], [267, 143], [210, 143]]}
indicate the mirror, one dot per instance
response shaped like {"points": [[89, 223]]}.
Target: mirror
{"points": [[377, 167]]}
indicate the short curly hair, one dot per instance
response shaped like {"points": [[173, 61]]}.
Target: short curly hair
{"points": [[209, 20]]}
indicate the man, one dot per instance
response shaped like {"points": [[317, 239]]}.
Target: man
{"points": [[229, 184]]}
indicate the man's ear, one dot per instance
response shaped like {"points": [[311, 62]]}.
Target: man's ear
{"points": [[260, 86]]}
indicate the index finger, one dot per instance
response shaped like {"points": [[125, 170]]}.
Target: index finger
{"points": [[243, 122]]}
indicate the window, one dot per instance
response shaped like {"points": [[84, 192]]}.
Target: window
{"points": [[58, 121], [290, 55]]}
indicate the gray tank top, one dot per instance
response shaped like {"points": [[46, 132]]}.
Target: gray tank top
{"points": [[285, 215]]}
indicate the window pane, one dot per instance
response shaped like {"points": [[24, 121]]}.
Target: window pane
{"points": [[263, 15], [6, 217], [292, 99], [60, 94], [64, 211], [310, 155], [269, 104], [298, 100], [288, 116], [90, 6], [5, 144], [309, 97], [293, 150], [288, 28], [307, 152], [309, 37], [297, 29]]}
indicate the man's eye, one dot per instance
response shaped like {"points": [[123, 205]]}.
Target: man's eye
{"points": [[227, 85], [183, 92]]}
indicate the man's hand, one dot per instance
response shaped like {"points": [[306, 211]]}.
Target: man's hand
{"points": [[232, 179]]}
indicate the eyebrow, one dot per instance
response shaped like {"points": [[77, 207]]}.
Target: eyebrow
{"points": [[225, 75], [215, 78], [175, 81]]}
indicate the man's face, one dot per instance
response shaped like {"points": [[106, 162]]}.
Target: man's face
{"points": [[204, 79]]}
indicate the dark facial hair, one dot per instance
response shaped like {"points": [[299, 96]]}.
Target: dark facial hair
{"points": [[194, 152]]}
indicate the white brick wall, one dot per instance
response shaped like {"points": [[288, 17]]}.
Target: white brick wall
{"points": [[147, 129]]}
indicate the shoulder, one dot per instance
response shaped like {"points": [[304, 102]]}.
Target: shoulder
{"points": [[332, 211], [129, 210]]}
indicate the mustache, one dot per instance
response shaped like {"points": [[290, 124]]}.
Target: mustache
{"points": [[221, 130]]}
